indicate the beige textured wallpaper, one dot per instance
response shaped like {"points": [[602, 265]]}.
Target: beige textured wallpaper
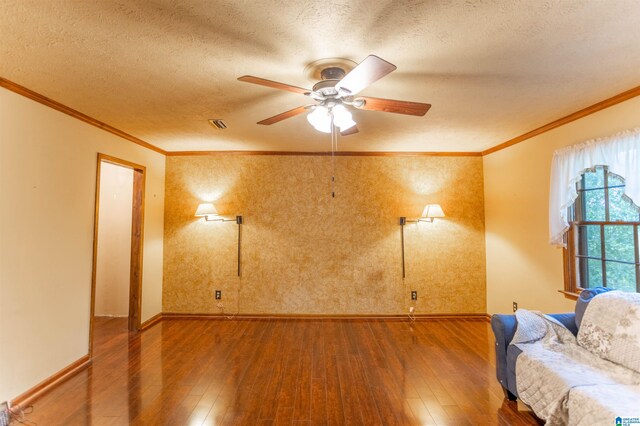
{"points": [[304, 252]]}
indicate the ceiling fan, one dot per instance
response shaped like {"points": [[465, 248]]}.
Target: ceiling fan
{"points": [[336, 91]]}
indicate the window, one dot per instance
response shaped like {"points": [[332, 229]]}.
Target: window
{"points": [[602, 242]]}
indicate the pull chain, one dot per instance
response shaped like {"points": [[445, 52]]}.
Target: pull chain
{"points": [[334, 146]]}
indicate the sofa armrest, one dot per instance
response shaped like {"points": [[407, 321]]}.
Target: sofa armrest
{"points": [[504, 327], [568, 320]]}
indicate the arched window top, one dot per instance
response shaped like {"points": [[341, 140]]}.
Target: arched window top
{"points": [[620, 153]]}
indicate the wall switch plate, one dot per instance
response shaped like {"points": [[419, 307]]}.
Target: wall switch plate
{"points": [[515, 306], [218, 294], [414, 295]]}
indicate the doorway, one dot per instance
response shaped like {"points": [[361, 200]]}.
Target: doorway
{"points": [[118, 241]]}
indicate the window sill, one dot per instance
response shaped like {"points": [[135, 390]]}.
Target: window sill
{"points": [[569, 294]]}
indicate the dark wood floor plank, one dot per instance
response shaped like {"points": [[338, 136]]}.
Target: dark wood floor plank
{"points": [[233, 371], [302, 405], [289, 388], [281, 360], [285, 372], [364, 395], [420, 412], [334, 409], [382, 381]]}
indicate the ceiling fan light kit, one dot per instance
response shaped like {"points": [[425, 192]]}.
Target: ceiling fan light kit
{"points": [[334, 93], [322, 116], [337, 90]]}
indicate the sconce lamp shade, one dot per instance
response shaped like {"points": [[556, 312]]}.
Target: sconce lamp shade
{"points": [[432, 210], [206, 209]]}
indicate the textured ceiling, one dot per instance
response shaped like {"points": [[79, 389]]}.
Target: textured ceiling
{"points": [[159, 69]]}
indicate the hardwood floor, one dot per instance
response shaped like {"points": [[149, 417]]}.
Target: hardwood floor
{"points": [[285, 371]]}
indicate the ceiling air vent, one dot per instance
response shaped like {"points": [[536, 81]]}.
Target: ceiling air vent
{"points": [[218, 123]]}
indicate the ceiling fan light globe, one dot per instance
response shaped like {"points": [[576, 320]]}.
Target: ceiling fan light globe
{"points": [[342, 118], [320, 119], [339, 111], [316, 115], [347, 125], [324, 129]]}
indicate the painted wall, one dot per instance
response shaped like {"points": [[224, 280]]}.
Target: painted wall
{"points": [[304, 252], [113, 266], [521, 265], [47, 190]]}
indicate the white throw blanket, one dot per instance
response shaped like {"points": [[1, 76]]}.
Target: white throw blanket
{"points": [[552, 364], [622, 401]]}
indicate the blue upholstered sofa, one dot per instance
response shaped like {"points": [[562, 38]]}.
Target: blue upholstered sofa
{"points": [[504, 327]]}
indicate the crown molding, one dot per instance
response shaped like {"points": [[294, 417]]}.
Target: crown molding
{"points": [[325, 153], [614, 100], [28, 93]]}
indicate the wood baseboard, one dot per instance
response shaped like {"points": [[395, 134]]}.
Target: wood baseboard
{"points": [[210, 316], [52, 381], [151, 321]]}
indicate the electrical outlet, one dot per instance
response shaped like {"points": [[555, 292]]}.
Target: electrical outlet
{"points": [[515, 306], [414, 295], [218, 294]]}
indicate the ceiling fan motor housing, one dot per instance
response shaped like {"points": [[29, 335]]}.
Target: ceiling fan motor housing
{"points": [[332, 73], [326, 87]]}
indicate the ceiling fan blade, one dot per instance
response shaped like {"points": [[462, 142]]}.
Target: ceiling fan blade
{"points": [[392, 105], [273, 84], [283, 116], [365, 73], [350, 131]]}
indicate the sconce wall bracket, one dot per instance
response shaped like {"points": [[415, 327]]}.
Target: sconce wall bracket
{"points": [[239, 220], [403, 222]]}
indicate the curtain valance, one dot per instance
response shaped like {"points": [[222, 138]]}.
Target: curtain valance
{"points": [[620, 152]]}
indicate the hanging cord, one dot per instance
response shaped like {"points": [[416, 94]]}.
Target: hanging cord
{"points": [[220, 305], [232, 316], [239, 288], [412, 314], [17, 414]]}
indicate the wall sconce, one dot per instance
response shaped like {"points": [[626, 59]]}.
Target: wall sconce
{"points": [[210, 214], [430, 212]]}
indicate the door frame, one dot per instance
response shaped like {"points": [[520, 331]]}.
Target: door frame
{"points": [[137, 242]]}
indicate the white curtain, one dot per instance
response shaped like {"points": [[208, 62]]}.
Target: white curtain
{"points": [[620, 152]]}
